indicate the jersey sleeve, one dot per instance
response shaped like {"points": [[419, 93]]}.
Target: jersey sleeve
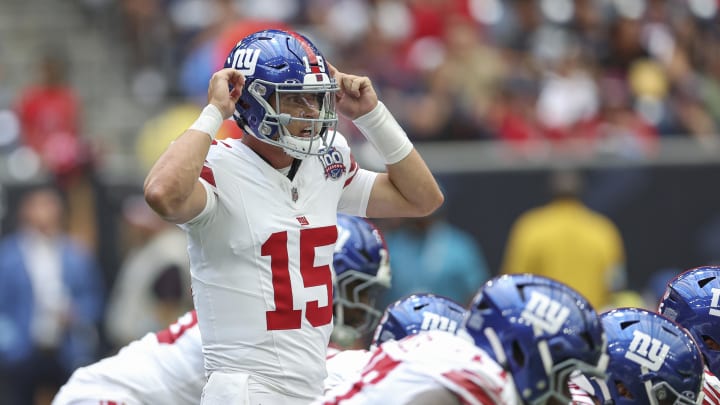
{"points": [[711, 389], [208, 181], [356, 190]]}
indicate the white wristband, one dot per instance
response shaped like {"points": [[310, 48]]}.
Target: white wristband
{"points": [[385, 134], [209, 121]]}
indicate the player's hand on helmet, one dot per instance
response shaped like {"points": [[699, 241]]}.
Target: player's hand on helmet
{"points": [[356, 96], [220, 93]]}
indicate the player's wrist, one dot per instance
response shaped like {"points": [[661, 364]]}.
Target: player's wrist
{"points": [[209, 121], [386, 135]]}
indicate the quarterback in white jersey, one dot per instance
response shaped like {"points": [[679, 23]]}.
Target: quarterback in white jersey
{"points": [[167, 367], [261, 219]]}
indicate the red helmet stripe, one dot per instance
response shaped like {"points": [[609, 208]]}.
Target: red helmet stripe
{"points": [[312, 57]]}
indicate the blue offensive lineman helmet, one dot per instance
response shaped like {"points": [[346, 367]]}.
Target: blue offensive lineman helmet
{"points": [[416, 313], [692, 299], [362, 272], [539, 330], [653, 361], [284, 68]]}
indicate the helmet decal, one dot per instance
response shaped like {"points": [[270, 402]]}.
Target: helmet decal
{"points": [[652, 361], [539, 330], [417, 313], [544, 313], [244, 60]]}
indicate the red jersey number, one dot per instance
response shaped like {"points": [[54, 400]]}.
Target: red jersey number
{"points": [[285, 316]]}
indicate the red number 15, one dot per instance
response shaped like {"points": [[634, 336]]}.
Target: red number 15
{"points": [[285, 316]]}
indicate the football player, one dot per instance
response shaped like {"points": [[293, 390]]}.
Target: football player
{"points": [[362, 274], [167, 367], [521, 338], [407, 316], [260, 212], [652, 361], [692, 299]]}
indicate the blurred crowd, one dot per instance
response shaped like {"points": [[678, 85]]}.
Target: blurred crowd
{"points": [[584, 77], [580, 77]]}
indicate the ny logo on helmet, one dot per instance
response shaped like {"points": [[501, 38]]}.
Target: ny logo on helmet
{"points": [[244, 60], [433, 321], [544, 313], [715, 303], [646, 351]]}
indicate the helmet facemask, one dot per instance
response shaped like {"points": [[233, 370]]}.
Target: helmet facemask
{"points": [[356, 315], [308, 109]]}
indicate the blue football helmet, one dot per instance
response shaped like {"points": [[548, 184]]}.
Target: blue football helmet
{"points": [[692, 299], [653, 361], [416, 313], [362, 273], [284, 69], [539, 330]]}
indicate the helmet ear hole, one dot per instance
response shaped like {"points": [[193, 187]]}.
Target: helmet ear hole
{"points": [[517, 354], [587, 338], [703, 282], [710, 342], [622, 390]]}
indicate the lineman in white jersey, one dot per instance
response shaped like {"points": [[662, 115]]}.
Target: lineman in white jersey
{"points": [[167, 367], [261, 218], [407, 316], [162, 368], [410, 368], [529, 334], [692, 299]]}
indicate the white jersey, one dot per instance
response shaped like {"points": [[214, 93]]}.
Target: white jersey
{"points": [[261, 253], [344, 365], [581, 395], [161, 368], [404, 369], [167, 368], [711, 388]]}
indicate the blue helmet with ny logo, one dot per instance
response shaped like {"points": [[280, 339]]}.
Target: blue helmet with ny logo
{"points": [[539, 330], [361, 273], [692, 299], [416, 313], [282, 70], [652, 361]]}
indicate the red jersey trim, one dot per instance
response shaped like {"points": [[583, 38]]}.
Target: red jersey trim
{"points": [[207, 174]]}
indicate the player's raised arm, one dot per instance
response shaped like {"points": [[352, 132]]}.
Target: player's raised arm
{"points": [[408, 189], [171, 187]]}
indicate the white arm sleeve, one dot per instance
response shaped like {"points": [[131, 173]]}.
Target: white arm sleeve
{"points": [[356, 194], [210, 204]]}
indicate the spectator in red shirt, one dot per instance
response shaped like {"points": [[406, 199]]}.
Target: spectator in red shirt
{"points": [[49, 113]]}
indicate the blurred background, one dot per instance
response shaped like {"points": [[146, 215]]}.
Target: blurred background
{"points": [[498, 96]]}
